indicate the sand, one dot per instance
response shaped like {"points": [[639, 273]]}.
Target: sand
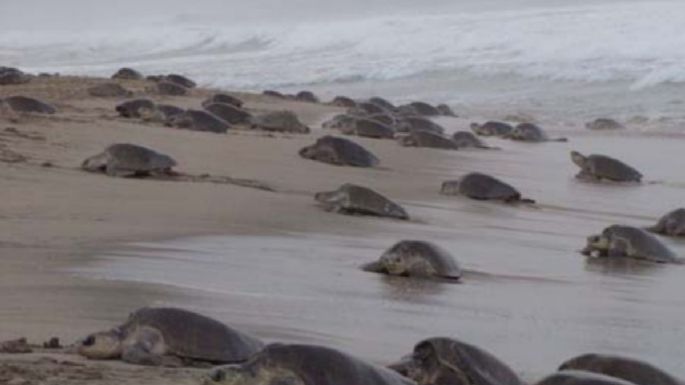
{"points": [[59, 224]]}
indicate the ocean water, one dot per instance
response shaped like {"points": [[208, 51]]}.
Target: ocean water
{"points": [[552, 58]]}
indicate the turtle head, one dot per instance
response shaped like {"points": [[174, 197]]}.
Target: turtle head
{"points": [[424, 366], [596, 244], [476, 128], [394, 263], [102, 345], [252, 373], [578, 159]]}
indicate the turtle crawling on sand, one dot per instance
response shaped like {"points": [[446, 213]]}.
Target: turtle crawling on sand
{"points": [[418, 259], [635, 371], [529, 132], [367, 128], [353, 199], [601, 167], [339, 152], [492, 128], [280, 121], [438, 361], [483, 187], [465, 139], [672, 224], [427, 139], [281, 364], [629, 242], [29, 105], [580, 377], [170, 337], [198, 120], [129, 160], [131, 108]]}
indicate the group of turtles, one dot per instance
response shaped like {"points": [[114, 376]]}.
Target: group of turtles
{"points": [[176, 337]]}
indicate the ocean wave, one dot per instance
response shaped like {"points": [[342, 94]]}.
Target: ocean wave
{"points": [[640, 43]]}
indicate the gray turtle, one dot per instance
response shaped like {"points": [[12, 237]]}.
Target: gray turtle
{"points": [[131, 108], [339, 152], [386, 119], [629, 242], [280, 364], [229, 113], [343, 101], [352, 199], [424, 109], [129, 160], [672, 224], [445, 110], [441, 361], [280, 121], [127, 74], [492, 128], [367, 108], [13, 76], [180, 80], [428, 139], [223, 98], [339, 121], [466, 139], [306, 96], [161, 113], [635, 371], [580, 377], [169, 336], [604, 124], [419, 259], [171, 89], [417, 123], [601, 167], [529, 132], [198, 120], [109, 90], [483, 187], [29, 105], [386, 105], [368, 128]]}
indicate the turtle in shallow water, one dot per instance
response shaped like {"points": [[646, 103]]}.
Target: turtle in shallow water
{"points": [[131, 108], [418, 259], [580, 377], [672, 224], [229, 113], [529, 132], [170, 336], [629, 369], [198, 120], [428, 139], [339, 152], [492, 128], [281, 364], [483, 187], [601, 167], [129, 160], [629, 242], [466, 139], [439, 361], [280, 121], [30, 105], [353, 199]]}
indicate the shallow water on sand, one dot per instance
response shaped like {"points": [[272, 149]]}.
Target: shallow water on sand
{"points": [[530, 297]]}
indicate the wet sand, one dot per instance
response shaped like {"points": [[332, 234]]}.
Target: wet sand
{"points": [[80, 251]]}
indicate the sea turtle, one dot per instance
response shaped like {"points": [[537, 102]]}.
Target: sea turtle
{"points": [[629, 369], [357, 200], [30, 105], [445, 110], [529, 132], [131, 108], [127, 74], [170, 336], [306, 96], [171, 89], [12, 76], [198, 120], [368, 128], [672, 224], [466, 139], [483, 187], [417, 123], [492, 128], [604, 124], [223, 98], [343, 101], [229, 113], [180, 80], [339, 152], [630, 242], [367, 108], [428, 139], [441, 361], [273, 94], [279, 121], [281, 364], [339, 121], [602, 167], [161, 113], [386, 105], [580, 377], [109, 90], [129, 160], [420, 259], [424, 109]]}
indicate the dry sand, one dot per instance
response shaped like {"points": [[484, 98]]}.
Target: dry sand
{"points": [[56, 219]]}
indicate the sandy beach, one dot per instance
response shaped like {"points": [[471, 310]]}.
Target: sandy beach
{"points": [[80, 251]]}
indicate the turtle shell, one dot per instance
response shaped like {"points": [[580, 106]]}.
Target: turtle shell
{"points": [[195, 336], [354, 199], [428, 139], [635, 371], [125, 158], [442, 262], [340, 152], [26, 104], [612, 169], [579, 377], [485, 187]]}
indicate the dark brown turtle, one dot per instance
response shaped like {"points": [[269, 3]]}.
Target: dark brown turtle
{"points": [[417, 259], [352, 199], [629, 369], [127, 74], [483, 187], [170, 336], [29, 105], [306, 96], [446, 361], [339, 152]]}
